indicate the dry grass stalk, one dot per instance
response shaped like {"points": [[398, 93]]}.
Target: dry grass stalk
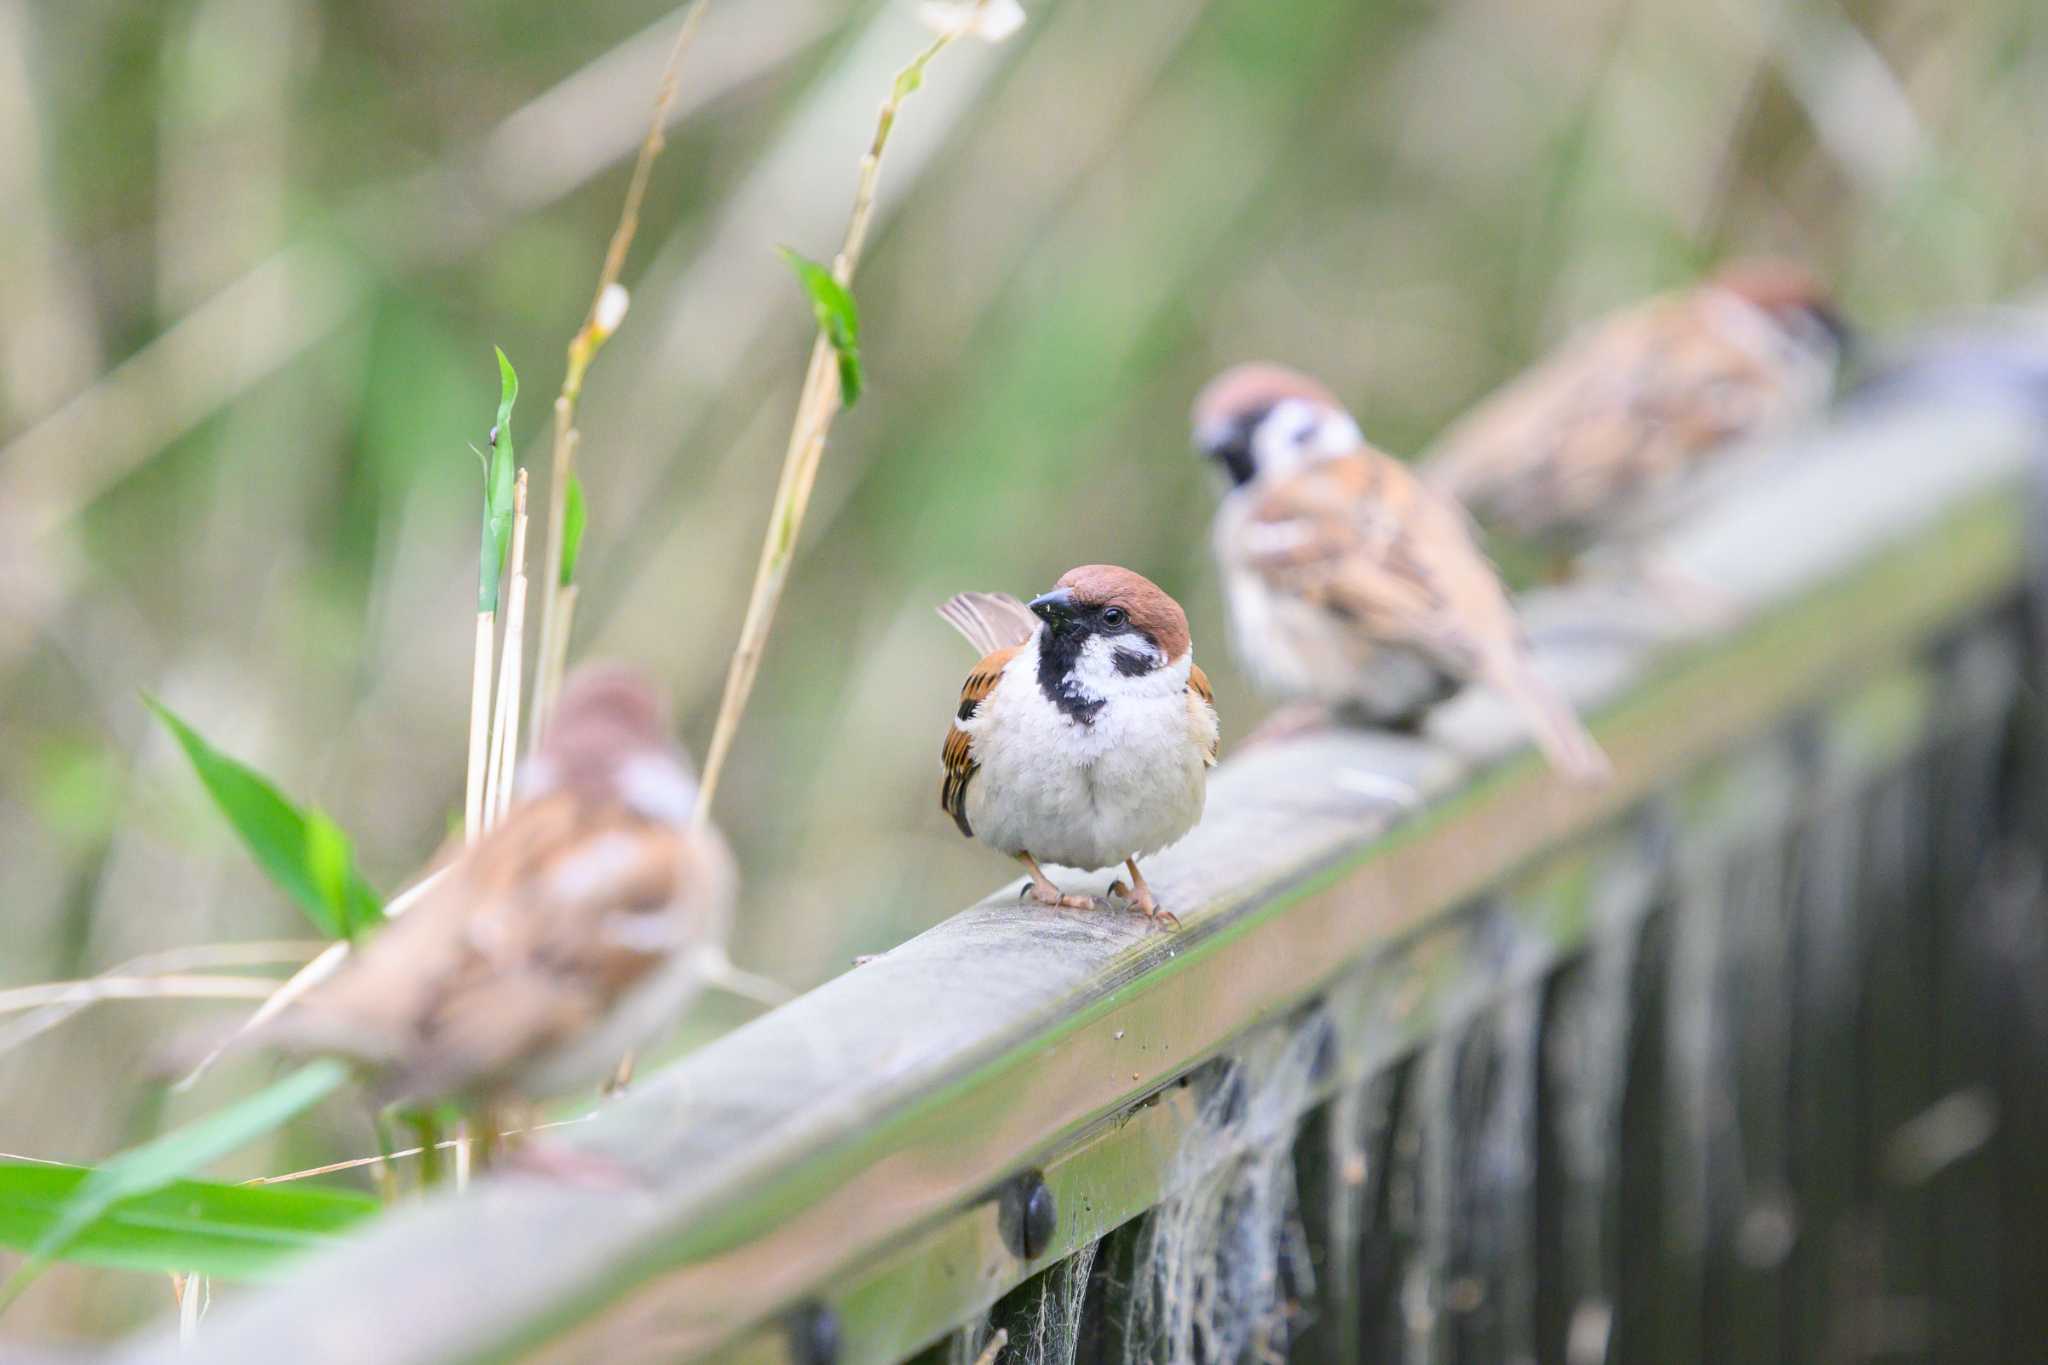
{"points": [[305, 979], [167, 987], [479, 726], [816, 406], [384, 1158], [607, 310], [200, 957]]}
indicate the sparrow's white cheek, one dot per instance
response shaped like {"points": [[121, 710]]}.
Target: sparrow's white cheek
{"points": [[656, 785], [1297, 432], [1337, 434], [1122, 665]]}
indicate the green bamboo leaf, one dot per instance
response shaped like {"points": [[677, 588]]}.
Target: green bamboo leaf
{"points": [[838, 319], [236, 1232], [303, 850], [149, 1168], [573, 517], [498, 487]]}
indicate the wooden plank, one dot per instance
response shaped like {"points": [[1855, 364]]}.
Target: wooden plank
{"points": [[886, 1109]]}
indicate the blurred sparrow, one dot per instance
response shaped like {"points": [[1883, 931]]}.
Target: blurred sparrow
{"points": [[1351, 583], [1085, 734], [574, 931], [1598, 440]]}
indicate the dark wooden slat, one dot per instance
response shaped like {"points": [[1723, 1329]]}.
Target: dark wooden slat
{"points": [[1758, 1215], [1393, 1231], [1641, 1282]]}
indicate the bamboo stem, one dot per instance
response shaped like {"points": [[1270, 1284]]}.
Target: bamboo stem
{"points": [[479, 728], [816, 406], [505, 729]]}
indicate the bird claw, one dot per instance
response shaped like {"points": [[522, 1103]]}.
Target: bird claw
{"points": [[1144, 904]]}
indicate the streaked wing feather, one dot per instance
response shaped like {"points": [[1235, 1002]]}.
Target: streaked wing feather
{"points": [[958, 753], [1624, 406], [1201, 694]]}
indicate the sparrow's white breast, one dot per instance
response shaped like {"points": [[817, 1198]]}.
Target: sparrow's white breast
{"points": [[1088, 795]]}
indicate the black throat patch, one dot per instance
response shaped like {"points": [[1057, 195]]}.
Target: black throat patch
{"points": [[1058, 652]]}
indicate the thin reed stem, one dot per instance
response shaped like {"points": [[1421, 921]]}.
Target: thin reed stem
{"points": [[305, 979], [816, 406], [95, 988], [556, 599]]}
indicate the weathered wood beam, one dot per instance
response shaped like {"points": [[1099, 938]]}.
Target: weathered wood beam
{"points": [[856, 1146]]}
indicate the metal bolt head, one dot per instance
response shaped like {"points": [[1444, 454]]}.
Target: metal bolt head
{"points": [[1026, 1216], [813, 1334]]}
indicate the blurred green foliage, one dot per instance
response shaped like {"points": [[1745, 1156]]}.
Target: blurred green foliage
{"points": [[254, 255]]}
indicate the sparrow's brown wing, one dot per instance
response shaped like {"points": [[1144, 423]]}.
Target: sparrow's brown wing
{"points": [[1201, 695], [1621, 409], [525, 944], [958, 755], [1397, 565], [1360, 537]]}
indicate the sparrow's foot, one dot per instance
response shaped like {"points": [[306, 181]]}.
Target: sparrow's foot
{"points": [[1044, 892], [1140, 898], [1053, 896]]}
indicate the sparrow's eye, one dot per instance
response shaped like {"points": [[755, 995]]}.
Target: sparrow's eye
{"points": [[1113, 617]]}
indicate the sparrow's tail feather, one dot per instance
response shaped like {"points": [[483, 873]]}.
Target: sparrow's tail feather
{"points": [[1552, 723], [990, 620]]}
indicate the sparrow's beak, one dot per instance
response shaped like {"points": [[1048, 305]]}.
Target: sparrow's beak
{"points": [[1054, 608]]}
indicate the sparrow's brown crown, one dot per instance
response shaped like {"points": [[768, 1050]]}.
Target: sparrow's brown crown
{"points": [[1773, 284], [1249, 388], [607, 714], [1144, 602]]}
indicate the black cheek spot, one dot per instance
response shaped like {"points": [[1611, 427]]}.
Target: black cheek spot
{"points": [[968, 706], [1132, 664]]}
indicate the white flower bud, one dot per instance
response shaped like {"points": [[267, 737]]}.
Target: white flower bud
{"points": [[989, 20], [611, 310]]}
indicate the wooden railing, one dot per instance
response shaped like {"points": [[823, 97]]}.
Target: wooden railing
{"points": [[1732, 1059]]}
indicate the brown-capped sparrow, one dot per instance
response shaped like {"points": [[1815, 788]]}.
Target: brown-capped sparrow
{"points": [[574, 931], [1085, 734], [1598, 441], [1351, 583]]}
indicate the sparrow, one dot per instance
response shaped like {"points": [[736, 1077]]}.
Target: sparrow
{"points": [[1085, 734], [572, 932], [1351, 583], [1599, 440]]}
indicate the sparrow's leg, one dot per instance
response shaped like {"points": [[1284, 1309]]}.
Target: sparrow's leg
{"points": [[1045, 893], [1140, 896]]}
